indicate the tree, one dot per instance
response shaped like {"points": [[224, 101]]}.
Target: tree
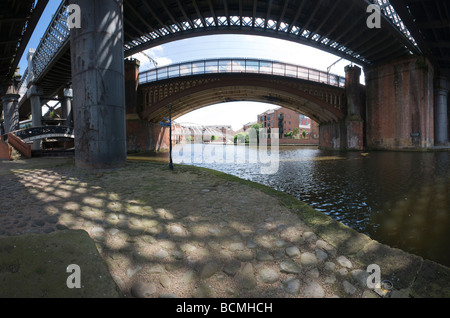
{"points": [[257, 127], [289, 134], [240, 137]]}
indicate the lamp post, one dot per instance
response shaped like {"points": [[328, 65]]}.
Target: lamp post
{"points": [[170, 138]]}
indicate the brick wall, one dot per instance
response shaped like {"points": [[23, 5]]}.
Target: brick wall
{"points": [[5, 151], [400, 105]]}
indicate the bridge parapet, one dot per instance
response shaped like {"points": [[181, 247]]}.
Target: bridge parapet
{"points": [[37, 133], [239, 65]]}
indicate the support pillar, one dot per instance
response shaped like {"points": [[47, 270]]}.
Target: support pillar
{"points": [[347, 134], [98, 85], [10, 111], [34, 93], [66, 106], [399, 104], [332, 136], [131, 85], [440, 112], [139, 132], [355, 105]]}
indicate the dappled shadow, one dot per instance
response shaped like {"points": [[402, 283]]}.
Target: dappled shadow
{"points": [[184, 233]]}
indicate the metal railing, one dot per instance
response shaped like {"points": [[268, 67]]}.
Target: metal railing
{"points": [[22, 86], [54, 38], [240, 65], [36, 133], [389, 11]]}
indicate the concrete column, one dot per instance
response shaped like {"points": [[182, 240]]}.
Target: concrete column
{"points": [[10, 111], [98, 85], [66, 106], [353, 91], [448, 108], [34, 93], [354, 122], [440, 112]]}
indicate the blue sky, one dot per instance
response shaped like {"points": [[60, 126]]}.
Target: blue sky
{"points": [[204, 47], [42, 25]]}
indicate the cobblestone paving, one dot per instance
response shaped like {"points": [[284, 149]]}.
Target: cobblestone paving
{"points": [[185, 233]]}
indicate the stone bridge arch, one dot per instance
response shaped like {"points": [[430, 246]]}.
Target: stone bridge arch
{"points": [[321, 102], [337, 109]]}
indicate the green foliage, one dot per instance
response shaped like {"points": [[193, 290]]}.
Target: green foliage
{"points": [[257, 127], [289, 134], [245, 136], [241, 137]]}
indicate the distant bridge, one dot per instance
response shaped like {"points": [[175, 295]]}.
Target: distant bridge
{"points": [[240, 65], [37, 133], [192, 85]]}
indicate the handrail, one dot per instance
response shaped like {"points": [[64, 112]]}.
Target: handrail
{"points": [[53, 39], [23, 81], [240, 65]]}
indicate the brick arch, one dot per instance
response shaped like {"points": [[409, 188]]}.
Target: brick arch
{"points": [[323, 103]]}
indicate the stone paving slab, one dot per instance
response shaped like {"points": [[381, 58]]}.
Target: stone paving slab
{"points": [[35, 266], [195, 232]]}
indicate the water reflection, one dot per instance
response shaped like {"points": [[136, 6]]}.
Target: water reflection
{"points": [[398, 198]]}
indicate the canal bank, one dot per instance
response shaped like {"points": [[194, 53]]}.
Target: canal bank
{"points": [[396, 198], [196, 232]]}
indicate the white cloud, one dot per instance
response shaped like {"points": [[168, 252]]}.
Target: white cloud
{"points": [[163, 61], [156, 54]]}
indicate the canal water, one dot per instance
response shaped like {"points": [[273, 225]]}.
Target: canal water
{"points": [[401, 199]]}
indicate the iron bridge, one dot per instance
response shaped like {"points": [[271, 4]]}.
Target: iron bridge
{"points": [[37, 133]]}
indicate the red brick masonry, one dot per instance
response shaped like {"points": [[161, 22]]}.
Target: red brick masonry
{"points": [[5, 151]]}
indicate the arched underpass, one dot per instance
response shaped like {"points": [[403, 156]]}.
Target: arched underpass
{"points": [[314, 100], [185, 91]]}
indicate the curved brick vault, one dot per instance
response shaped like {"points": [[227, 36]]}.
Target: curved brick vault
{"points": [[321, 102]]}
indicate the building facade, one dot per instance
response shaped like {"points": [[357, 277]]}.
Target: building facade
{"points": [[288, 124]]}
